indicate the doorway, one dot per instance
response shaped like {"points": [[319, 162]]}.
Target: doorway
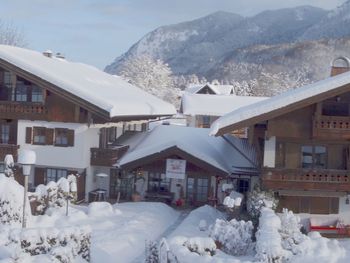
{"points": [[197, 190]]}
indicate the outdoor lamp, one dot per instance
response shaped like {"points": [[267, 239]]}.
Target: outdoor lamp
{"points": [[26, 158]]}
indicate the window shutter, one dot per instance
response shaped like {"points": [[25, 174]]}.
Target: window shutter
{"points": [[29, 135], [49, 136], [70, 136], [39, 177]]}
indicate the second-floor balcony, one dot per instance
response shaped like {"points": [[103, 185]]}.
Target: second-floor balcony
{"points": [[107, 156], [331, 127], [16, 110], [306, 179]]}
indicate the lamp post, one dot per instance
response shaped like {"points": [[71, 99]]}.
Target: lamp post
{"points": [[26, 158]]}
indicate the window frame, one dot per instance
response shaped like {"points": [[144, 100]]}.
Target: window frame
{"points": [[39, 132], [313, 164], [58, 135], [159, 180], [55, 173]]}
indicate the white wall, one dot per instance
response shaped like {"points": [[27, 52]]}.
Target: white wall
{"points": [[77, 156], [270, 152]]}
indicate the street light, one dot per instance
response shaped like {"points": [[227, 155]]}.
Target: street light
{"points": [[26, 158]]}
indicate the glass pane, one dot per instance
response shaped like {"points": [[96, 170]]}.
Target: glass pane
{"points": [[306, 156], [320, 157]]}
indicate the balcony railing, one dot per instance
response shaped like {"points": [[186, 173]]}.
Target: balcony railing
{"points": [[12, 109], [305, 179], [108, 156], [332, 127], [8, 149]]}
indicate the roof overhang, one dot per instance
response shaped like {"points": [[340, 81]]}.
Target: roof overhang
{"points": [[227, 127]]}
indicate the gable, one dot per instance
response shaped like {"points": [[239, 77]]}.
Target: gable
{"points": [[281, 104]]}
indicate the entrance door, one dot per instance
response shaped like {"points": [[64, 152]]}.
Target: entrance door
{"points": [[119, 182], [243, 185], [197, 190]]}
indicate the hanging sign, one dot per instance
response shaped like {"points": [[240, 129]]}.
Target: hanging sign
{"points": [[175, 168]]}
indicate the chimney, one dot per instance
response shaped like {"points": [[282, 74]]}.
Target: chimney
{"points": [[340, 65], [48, 53], [60, 55]]}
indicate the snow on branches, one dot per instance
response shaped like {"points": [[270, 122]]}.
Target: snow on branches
{"points": [[151, 75], [235, 237]]}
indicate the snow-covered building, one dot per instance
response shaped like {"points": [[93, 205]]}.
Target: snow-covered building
{"points": [[208, 88], [302, 136], [201, 110], [173, 162], [68, 113]]}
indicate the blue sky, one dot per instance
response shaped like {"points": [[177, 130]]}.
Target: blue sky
{"points": [[97, 31]]}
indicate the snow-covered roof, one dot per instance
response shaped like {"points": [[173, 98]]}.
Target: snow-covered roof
{"points": [[107, 92], [218, 152], [216, 88], [214, 105], [275, 106]]}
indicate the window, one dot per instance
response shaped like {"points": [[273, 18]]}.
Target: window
{"points": [[55, 174], [313, 156], [21, 93], [206, 121], [5, 133], [158, 182], [335, 108], [61, 137], [7, 79], [39, 135], [37, 94], [243, 185]]}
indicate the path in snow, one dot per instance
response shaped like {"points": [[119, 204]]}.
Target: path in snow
{"points": [[166, 233]]}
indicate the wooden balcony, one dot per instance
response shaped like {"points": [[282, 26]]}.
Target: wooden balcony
{"points": [[305, 179], [331, 127], [108, 156], [8, 149], [27, 110]]}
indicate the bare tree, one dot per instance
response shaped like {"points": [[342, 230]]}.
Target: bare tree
{"points": [[11, 35]]}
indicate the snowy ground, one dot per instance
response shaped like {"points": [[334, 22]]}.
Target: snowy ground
{"points": [[119, 232]]}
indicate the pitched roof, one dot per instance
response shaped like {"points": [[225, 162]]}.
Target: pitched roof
{"points": [[225, 154], [109, 93], [283, 103], [214, 105], [217, 89]]}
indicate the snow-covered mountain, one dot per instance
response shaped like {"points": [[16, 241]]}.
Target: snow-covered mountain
{"points": [[203, 46]]}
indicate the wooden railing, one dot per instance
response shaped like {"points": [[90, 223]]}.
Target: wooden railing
{"points": [[305, 179], [13, 109], [333, 127], [8, 149], [108, 156]]}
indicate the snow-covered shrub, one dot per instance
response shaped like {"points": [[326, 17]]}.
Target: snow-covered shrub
{"points": [[54, 194], [201, 245], [234, 236], [268, 239], [152, 252], [62, 244], [257, 199], [11, 202], [290, 232], [9, 165]]}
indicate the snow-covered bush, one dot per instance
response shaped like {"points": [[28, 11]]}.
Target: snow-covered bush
{"points": [[268, 239], [152, 252], [54, 194], [257, 199], [290, 232], [9, 165], [234, 236], [11, 202], [62, 244], [201, 245]]}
